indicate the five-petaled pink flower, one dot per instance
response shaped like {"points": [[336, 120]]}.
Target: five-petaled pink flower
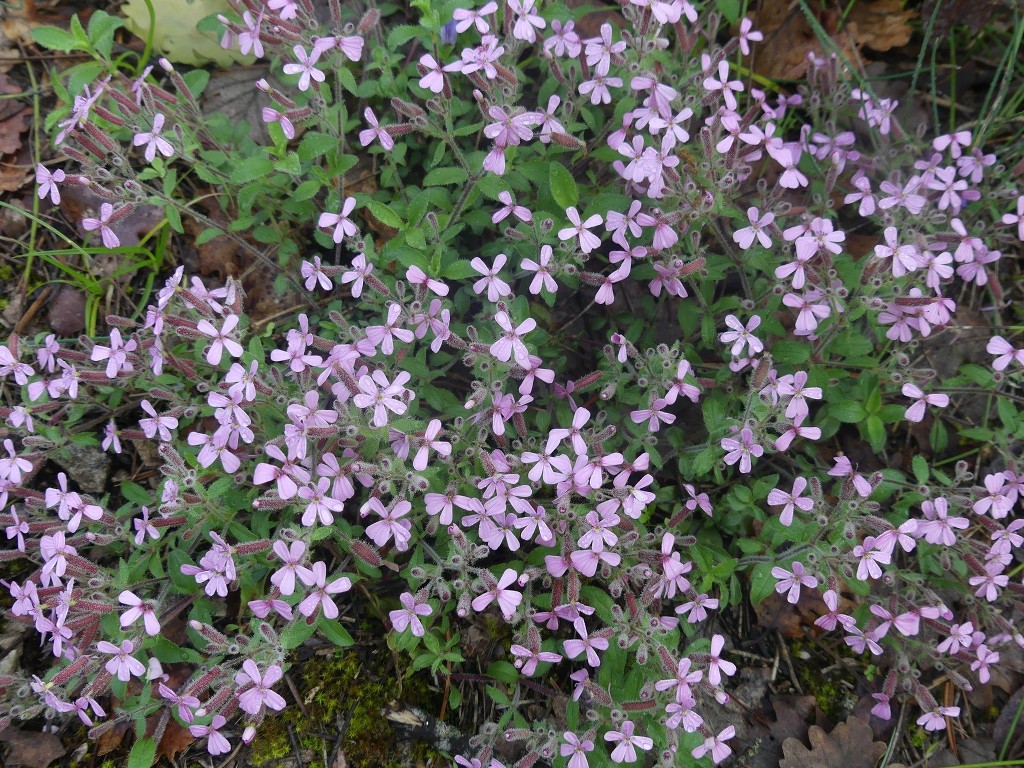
{"points": [[408, 616], [510, 343], [259, 694], [791, 582], [508, 599], [741, 336], [628, 741]]}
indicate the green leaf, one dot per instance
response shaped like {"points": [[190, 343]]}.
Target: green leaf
{"points": [[563, 185], [101, 31], [336, 633], [790, 352], [56, 39], [704, 461], [440, 177], [401, 35], [503, 671], [296, 633], [315, 144], [251, 169], [848, 412], [384, 214], [174, 219], [762, 583], [143, 754], [920, 468], [876, 433]]}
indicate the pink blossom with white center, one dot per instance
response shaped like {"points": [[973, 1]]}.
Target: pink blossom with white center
{"points": [[216, 743], [249, 38], [599, 50], [696, 610], [495, 286], [870, 559], [905, 258], [1005, 351], [793, 431], [343, 225], [759, 222], [157, 424], [938, 527], [915, 412], [221, 339], [153, 141], [123, 666], [306, 69], [527, 20], [829, 621], [809, 313], [107, 235], [717, 666], [321, 595], [510, 129], [138, 609], [627, 742], [509, 207], [391, 526], [936, 719], [378, 393], [905, 196], [291, 555], [716, 746], [508, 599], [466, 18], [729, 88], [682, 681], [432, 78], [384, 336], [576, 750], [585, 643], [321, 505], [1008, 219], [313, 273], [999, 499], [791, 501], [361, 269], [654, 416], [527, 659], [588, 241], [510, 344], [431, 443], [742, 336], [564, 41], [287, 476], [985, 659], [409, 615], [259, 694], [960, 636], [48, 182], [748, 35], [375, 131], [792, 581], [742, 450]]}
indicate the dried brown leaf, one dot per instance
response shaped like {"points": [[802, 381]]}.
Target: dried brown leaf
{"points": [[31, 750], [881, 25], [849, 745]]}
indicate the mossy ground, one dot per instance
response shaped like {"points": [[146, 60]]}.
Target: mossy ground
{"points": [[345, 696]]}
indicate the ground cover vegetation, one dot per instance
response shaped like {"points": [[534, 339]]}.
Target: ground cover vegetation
{"points": [[599, 338]]}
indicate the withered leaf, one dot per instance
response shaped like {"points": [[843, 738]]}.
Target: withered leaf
{"points": [[32, 750], [849, 745]]}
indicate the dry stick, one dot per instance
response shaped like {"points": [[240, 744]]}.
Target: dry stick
{"points": [[789, 663], [295, 694], [19, 328]]}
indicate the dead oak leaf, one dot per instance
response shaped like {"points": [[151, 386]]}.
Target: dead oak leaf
{"points": [[881, 25], [849, 745], [31, 750]]}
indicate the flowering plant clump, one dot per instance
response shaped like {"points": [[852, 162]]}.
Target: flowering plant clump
{"points": [[592, 376]]}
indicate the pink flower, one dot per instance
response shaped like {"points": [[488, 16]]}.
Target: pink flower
{"points": [[216, 744], [320, 596], [936, 719], [916, 411], [510, 343], [306, 69], [716, 664], [343, 225], [433, 80], [575, 749], [107, 235], [627, 740], [153, 141], [124, 666], [138, 609], [741, 450], [417, 276], [588, 241], [391, 526], [792, 582], [409, 615], [741, 336], [758, 224], [543, 278], [722, 83], [508, 599], [48, 182], [221, 339], [791, 501], [1006, 352], [375, 131], [495, 286], [253, 699], [716, 746]]}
